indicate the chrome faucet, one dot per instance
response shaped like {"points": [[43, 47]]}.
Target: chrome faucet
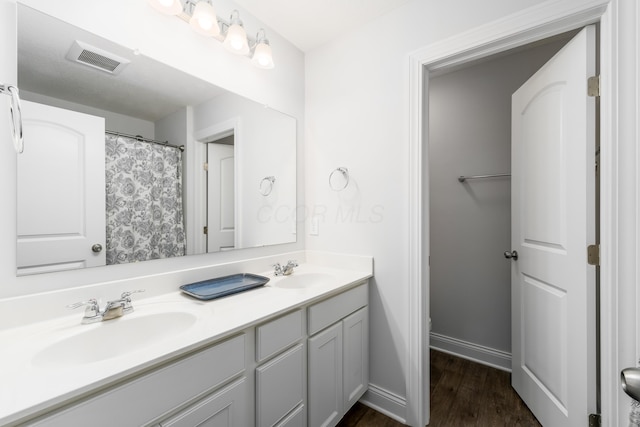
{"points": [[285, 270], [113, 309]]}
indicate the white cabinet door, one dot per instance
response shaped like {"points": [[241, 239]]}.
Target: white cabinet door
{"points": [[61, 190], [279, 386], [226, 408], [356, 356], [294, 419], [325, 377]]}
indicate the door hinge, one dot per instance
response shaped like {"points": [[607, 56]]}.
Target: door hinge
{"points": [[595, 420], [205, 166], [593, 254], [205, 230], [593, 86]]}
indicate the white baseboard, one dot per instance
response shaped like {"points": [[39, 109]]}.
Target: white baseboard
{"points": [[487, 356], [385, 402]]}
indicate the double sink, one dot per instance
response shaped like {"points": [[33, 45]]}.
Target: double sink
{"points": [[149, 324]]}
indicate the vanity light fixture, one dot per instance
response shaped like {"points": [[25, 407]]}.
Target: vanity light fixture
{"points": [[202, 18], [262, 57], [236, 37], [168, 7]]}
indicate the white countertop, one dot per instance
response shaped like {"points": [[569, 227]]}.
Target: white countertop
{"points": [[31, 382]]}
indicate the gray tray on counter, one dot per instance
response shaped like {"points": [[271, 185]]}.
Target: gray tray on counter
{"points": [[223, 286]]}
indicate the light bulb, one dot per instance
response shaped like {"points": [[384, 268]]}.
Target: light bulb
{"points": [[236, 38], [205, 23], [168, 7], [262, 57], [204, 20]]}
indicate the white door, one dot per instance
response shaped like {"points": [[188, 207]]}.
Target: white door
{"points": [[61, 192], [553, 222], [220, 198]]}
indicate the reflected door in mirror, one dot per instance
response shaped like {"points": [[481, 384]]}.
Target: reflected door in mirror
{"points": [[220, 197], [61, 192]]}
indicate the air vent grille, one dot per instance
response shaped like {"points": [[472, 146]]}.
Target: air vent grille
{"points": [[96, 58]]}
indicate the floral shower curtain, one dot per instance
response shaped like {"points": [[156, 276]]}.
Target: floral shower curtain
{"points": [[144, 201]]}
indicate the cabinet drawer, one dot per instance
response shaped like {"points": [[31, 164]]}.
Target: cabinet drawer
{"points": [[226, 408], [279, 386], [275, 336], [152, 395], [334, 309]]}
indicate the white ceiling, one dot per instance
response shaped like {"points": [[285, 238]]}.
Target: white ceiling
{"points": [[310, 23]]}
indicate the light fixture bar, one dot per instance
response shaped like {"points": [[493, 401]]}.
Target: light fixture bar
{"points": [[258, 48]]}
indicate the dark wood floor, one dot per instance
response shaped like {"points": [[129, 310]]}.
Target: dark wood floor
{"points": [[463, 393]]}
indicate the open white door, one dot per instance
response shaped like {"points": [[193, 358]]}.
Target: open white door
{"points": [[61, 190], [220, 198], [553, 222]]}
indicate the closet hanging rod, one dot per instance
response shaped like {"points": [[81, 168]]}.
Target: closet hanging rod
{"points": [[142, 139], [495, 175]]}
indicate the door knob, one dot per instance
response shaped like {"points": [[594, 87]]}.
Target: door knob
{"points": [[511, 255], [96, 248], [630, 379]]}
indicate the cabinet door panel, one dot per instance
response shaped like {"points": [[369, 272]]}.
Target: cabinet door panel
{"points": [[294, 419], [325, 377], [225, 408], [356, 356], [279, 386]]}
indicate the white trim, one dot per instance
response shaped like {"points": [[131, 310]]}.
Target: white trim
{"points": [[417, 375], [217, 131], [608, 220], [385, 402], [467, 350], [529, 25], [620, 231]]}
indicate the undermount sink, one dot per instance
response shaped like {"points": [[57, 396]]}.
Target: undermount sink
{"points": [[113, 338], [300, 280]]}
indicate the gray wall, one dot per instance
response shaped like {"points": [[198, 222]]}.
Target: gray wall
{"points": [[470, 134]]}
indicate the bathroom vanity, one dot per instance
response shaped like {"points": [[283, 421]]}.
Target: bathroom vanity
{"points": [[291, 353]]}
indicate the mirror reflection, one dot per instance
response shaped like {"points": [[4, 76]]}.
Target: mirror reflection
{"points": [[128, 160]]}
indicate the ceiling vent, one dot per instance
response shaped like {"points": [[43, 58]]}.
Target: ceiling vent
{"points": [[96, 58]]}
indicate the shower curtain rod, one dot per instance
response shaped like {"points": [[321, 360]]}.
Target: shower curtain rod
{"points": [[142, 139]]}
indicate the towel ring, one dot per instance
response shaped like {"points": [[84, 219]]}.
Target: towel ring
{"points": [[16, 116], [345, 174], [266, 185]]}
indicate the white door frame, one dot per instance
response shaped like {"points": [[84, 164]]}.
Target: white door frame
{"points": [[620, 193], [196, 186]]}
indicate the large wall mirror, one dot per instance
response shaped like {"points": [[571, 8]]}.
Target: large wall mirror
{"points": [[127, 159]]}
